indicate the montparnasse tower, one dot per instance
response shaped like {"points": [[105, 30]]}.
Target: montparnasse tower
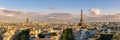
{"points": [[81, 23], [27, 20]]}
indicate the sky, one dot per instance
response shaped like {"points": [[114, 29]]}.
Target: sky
{"points": [[105, 6]]}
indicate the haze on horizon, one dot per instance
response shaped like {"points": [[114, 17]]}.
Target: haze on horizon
{"points": [[38, 10]]}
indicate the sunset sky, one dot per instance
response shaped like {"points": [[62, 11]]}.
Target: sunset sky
{"points": [[105, 6]]}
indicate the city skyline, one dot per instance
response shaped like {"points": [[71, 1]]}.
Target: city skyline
{"points": [[105, 6], [59, 20]]}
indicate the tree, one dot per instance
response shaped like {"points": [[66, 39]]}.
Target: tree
{"points": [[23, 35], [53, 34], [41, 36], [116, 36], [67, 34]]}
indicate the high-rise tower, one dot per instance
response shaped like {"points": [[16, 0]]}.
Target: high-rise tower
{"points": [[27, 20], [81, 19]]}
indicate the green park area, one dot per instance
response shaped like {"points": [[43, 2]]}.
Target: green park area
{"points": [[67, 34], [23, 35]]}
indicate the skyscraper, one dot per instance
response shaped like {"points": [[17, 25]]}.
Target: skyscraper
{"points": [[27, 20], [81, 19]]}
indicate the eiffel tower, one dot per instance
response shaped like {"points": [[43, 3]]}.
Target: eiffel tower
{"points": [[81, 19]]}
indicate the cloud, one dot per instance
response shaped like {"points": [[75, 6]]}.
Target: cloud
{"points": [[9, 15], [94, 11], [16, 15], [52, 8], [2, 8]]}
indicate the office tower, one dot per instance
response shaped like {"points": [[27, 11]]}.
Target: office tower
{"points": [[27, 20]]}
